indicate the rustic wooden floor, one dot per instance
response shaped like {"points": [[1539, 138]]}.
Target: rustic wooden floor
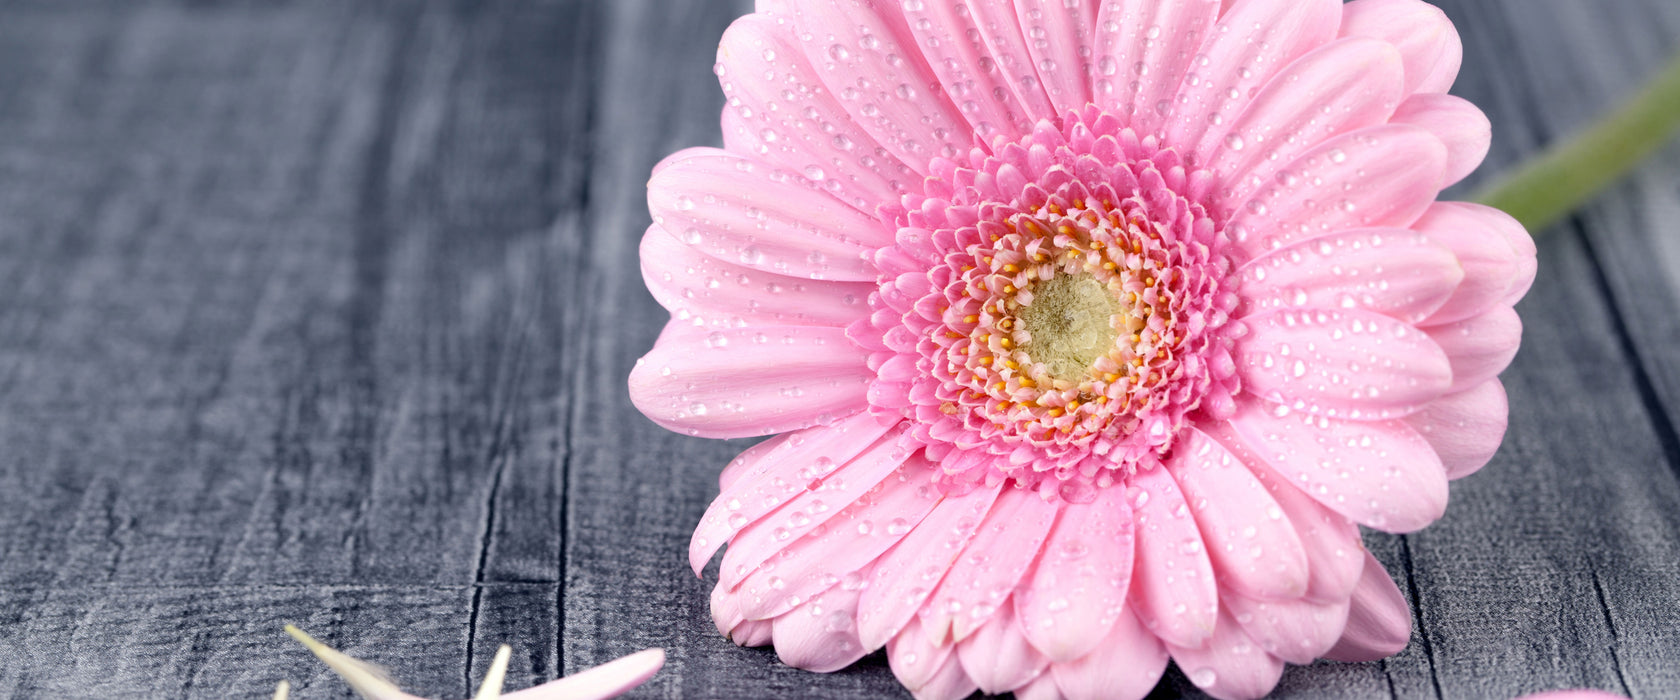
{"points": [[321, 312]]}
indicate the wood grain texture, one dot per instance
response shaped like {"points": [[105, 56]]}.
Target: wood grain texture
{"points": [[320, 312]]}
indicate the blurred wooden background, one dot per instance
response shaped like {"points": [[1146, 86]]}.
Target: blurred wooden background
{"points": [[321, 311]]}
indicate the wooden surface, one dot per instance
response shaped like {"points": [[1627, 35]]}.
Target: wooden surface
{"points": [[321, 312]]}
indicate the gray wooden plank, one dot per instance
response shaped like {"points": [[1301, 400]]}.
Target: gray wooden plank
{"points": [[225, 641], [520, 615], [303, 314], [207, 330], [284, 305], [1636, 247], [192, 333]]}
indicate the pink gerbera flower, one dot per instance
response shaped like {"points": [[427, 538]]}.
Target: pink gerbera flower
{"points": [[1092, 330]]}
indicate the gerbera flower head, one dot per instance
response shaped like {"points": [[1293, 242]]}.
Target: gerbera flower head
{"points": [[1092, 332], [1067, 304]]}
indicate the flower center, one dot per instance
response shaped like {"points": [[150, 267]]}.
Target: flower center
{"points": [[1064, 304], [1070, 323]]}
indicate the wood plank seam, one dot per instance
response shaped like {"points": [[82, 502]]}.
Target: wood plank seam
{"points": [[593, 60], [1417, 613], [1610, 621]]}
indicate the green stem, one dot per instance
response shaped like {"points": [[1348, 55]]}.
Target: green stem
{"points": [[1555, 183]]}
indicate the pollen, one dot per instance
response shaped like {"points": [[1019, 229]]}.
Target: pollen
{"points": [[1069, 323]]}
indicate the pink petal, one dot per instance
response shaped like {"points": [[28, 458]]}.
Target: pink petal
{"points": [[1379, 623], [1041, 688], [1331, 541], [1077, 591], [950, 682], [807, 505], [990, 567], [1250, 44], [1173, 590], [759, 59], [1002, 32], [1164, 36], [1527, 265], [1481, 347], [914, 658], [1251, 544], [1296, 631], [1344, 364], [904, 577], [1459, 124], [701, 153], [608, 680], [867, 56], [1060, 37], [1230, 665], [1379, 474], [1421, 31], [998, 657], [1496, 252], [748, 461], [1388, 174], [1340, 87], [945, 31], [1125, 666], [1465, 428], [821, 635], [734, 209], [726, 613], [1394, 272], [740, 136], [703, 290], [839, 553], [765, 476], [752, 633], [726, 610], [1445, 72], [742, 382]]}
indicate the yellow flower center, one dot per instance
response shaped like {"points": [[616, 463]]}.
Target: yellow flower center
{"points": [[1070, 321]]}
